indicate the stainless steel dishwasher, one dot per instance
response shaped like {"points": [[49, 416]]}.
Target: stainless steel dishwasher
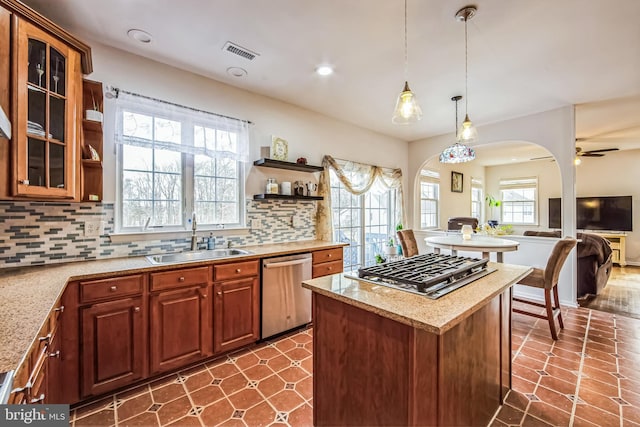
{"points": [[285, 303]]}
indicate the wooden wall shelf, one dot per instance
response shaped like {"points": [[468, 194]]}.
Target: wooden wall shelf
{"points": [[284, 197], [279, 164], [91, 173]]}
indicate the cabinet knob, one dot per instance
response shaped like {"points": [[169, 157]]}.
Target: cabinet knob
{"points": [[137, 309], [219, 293], [329, 255], [55, 354], [238, 270], [45, 339], [113, 288], [181, 279], [59, 309], [24, 181]]}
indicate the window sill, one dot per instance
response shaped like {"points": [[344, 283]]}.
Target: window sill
{"points": [[174, 234]]}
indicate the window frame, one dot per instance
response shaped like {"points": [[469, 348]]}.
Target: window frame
{"points": [[477, 184], [429, 177], [363, 226], [187, 181], [522, 183]]}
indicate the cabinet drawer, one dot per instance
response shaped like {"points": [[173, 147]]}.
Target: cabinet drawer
{"points": [[179, 278], [326, 268], [110, 288], [235, 270], [327, 255]]}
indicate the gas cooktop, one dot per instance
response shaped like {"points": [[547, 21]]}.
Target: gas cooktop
{"points": [[431, 275]]}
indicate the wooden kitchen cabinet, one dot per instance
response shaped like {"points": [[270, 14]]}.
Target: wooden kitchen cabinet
{"points": [[236, 308], [326, 262], [180, 320], [41, 67], [38, 378], [47, 112], [113, 333]]}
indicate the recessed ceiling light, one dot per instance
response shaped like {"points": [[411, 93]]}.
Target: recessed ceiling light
{"points": [[324, 70], [140, 35], [236, 71]]}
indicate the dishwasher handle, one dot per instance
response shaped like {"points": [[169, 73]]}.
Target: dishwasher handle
{"points": [[286, 263]]}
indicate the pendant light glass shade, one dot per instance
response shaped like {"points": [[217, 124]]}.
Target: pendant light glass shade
{"points": [[458, 153], [407, 108], [467, 131]]}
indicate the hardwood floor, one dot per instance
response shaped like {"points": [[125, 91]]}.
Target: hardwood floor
{"points": [[621, 295]]}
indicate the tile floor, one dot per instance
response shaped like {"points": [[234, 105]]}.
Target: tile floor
{"points": [[589, 377]]}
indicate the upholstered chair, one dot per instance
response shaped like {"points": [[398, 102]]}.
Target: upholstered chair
{"points": [[547, 279], [408, 242]]}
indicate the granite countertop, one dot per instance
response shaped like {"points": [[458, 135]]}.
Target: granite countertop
{"points": [[28, 294], [436, 316]]}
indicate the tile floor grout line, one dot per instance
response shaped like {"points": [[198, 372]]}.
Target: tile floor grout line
{"points": [[584, 349], [615, 346]]}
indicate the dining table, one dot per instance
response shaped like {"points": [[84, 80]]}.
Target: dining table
{"points": [[476, 243]]}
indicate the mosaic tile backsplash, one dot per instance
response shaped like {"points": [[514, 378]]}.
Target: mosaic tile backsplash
{"points": [[40, 232]]}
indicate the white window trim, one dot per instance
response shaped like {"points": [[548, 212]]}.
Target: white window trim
{"points": [[478, 183], [431, 177], [517, 183]]}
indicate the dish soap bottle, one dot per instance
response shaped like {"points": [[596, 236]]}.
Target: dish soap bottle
{"points": [[211, 243]]}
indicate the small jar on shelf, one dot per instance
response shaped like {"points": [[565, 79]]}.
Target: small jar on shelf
{"points": [[272, 186]]}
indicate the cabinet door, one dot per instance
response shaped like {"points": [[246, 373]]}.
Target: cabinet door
{"points": [[180, 328], [46, 127], [54, 372], [113, 345], [236, 314]]}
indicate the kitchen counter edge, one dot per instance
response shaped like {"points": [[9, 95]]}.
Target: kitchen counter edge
{"points": [[28, 294]]}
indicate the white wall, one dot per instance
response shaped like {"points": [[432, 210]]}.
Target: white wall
{"points": [[549, 185], [309, 134]]}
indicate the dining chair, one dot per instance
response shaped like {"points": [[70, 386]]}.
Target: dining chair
{"points": [[547, 279], [408, 242]]}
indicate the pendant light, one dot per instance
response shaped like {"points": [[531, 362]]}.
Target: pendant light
{"points": [[457, 153], [407, 108], [467, 132]]}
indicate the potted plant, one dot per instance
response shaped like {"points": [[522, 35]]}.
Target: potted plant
{"points": [[391, 246], [493, 203], [399, 246]]}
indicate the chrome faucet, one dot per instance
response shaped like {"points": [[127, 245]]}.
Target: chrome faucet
{"points": [[194, 238]]}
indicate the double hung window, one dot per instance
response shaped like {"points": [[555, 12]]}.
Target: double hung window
{"points": [[173, 161], [519, 200], [429, 198], [477, 198]]}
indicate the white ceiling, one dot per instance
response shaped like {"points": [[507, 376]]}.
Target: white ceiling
{"points": [[525, 56]]}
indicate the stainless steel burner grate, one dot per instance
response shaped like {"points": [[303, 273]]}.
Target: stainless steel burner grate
{"points": [[432, 275]]}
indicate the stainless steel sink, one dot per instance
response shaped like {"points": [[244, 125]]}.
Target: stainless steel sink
{"points": [[195, 256]]}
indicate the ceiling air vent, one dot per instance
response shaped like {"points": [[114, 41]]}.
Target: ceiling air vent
{"points": [[239, 50]]}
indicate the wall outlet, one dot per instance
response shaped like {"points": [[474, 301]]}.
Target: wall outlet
{"points": [[256, 224], [93, 228]]}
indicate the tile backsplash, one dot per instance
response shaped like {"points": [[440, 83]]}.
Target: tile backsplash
{"points": [[43, 233]]}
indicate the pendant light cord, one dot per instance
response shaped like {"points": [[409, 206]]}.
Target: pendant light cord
{"points": [[406, 48], [466, 73]]}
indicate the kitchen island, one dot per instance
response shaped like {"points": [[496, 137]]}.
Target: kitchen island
{"points": [[383, 356]]}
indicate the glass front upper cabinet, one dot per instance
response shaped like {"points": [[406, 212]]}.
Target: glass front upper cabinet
{"points": [[48, 89]]}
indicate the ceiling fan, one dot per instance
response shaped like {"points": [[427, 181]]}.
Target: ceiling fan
{"points": [[581, 153]]}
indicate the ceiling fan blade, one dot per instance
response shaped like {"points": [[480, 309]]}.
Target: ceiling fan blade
{"points": [[542, 158], [602, 150], [588, 154]]}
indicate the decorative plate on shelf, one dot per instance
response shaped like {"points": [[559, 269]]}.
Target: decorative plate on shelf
{"points": [[279, 149]]}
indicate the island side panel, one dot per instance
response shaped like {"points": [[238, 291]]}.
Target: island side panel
{"points": [[361, 365], [470, 368], [506, 301]]}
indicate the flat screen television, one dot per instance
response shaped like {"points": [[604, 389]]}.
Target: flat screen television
{"points": [[613, 213]]}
